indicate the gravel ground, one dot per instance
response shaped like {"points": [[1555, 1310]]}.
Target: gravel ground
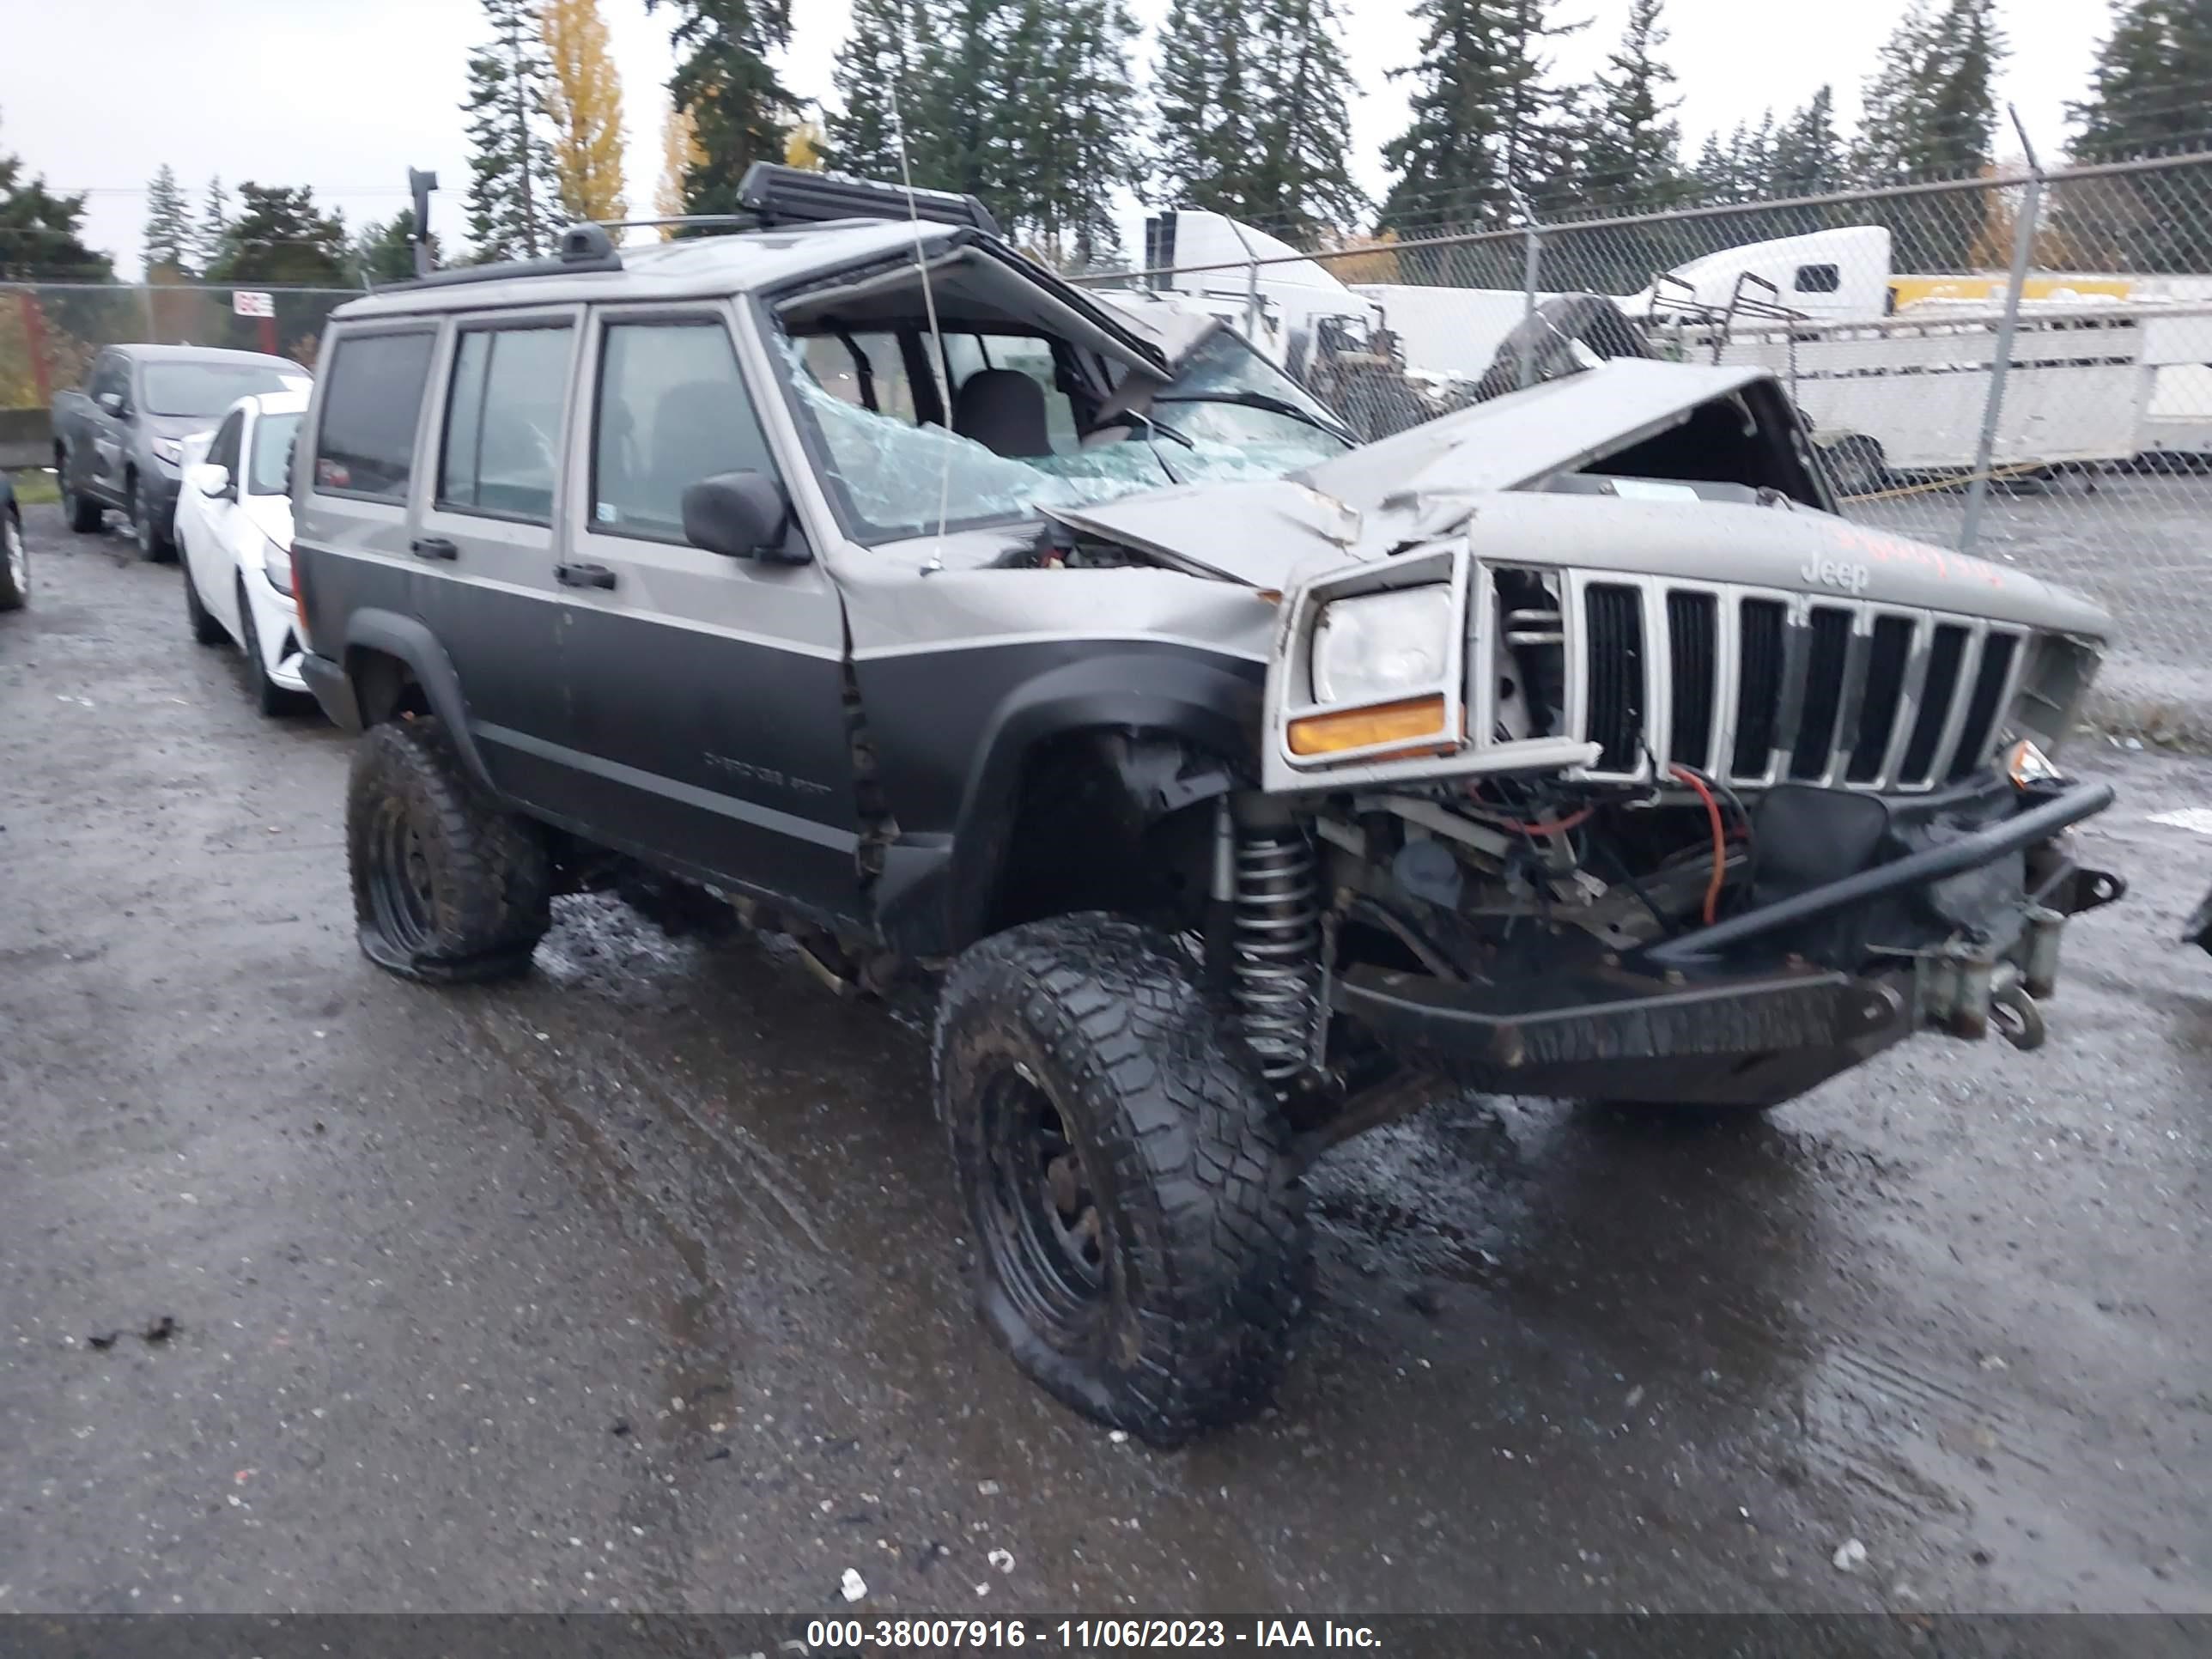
{"points": [[639, 1282]]}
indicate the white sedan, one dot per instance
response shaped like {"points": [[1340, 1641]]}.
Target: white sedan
{"points": [[234, 540]]}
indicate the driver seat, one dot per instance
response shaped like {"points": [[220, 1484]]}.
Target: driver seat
{"points": [[1003, 410]]}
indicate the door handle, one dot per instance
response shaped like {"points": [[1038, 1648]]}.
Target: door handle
{"points": [[583, 575], [434, 547]]}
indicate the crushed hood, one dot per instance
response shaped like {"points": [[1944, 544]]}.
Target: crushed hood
{"points": [[1475, 471]]}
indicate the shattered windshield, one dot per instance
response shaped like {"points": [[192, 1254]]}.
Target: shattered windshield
{"points": [[1228, 415]]}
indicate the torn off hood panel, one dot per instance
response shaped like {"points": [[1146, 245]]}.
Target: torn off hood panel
{"points": [[1416, 486]]}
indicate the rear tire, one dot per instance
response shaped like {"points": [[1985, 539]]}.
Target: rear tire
{"points": [[14, 563], [1141, 1247], [448, 886], [205, 629], [84, 515]]}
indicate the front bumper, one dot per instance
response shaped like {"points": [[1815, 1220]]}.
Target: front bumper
{"points": [[1731, 1013]]}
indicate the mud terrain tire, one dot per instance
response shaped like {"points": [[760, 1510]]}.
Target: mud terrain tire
{"points": [[1140, 1247], [446, 885]]}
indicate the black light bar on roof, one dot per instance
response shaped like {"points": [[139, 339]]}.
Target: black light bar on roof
{"points": [[796, 196]]}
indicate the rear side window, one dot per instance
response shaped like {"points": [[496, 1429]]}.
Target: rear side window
{"points": [[672, 410], [372, 403], [1819, 279], [503, 422]]}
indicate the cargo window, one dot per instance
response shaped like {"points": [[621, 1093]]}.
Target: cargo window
{"points": [[503, 422], [1819, 279], [672, 410], [372, 403]]}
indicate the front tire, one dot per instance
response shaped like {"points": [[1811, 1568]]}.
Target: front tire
{"points": [[1141, 1245], [448, 886], [153, 544], [270, 698], [14, 563]]}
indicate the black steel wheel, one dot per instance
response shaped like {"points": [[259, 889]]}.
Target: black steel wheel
{"points": [[447, 884], [1140, 1241]]}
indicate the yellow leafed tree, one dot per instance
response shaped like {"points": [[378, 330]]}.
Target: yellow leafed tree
{"points": [[584, 99], [802, 146], [679, 150]]}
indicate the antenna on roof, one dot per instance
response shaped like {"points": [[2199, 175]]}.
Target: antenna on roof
{"points": [[940, 369]]}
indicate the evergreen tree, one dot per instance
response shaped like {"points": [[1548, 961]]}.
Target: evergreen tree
{"points": [[280, 236], [1072, 147], [1481, 117], [2147, 95], [213, 233], [1206, 137], [41, 234], [584, 101], [169, 240], [1631, 150], [384, 252], [740, 111], [2147, 92], [874, 69], [1304, 89], [1809, 152], [513, 208], [1929, 105]]}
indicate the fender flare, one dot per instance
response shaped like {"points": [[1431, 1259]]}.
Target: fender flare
{"points": [[937, 899], [412, 642]]}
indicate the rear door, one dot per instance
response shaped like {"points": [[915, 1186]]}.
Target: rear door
{"points": [[210, 548], [111, 376], [487, 538], [704, 695]]}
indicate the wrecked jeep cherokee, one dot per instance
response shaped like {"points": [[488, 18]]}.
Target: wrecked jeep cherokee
{"points": [[1236, 779]]}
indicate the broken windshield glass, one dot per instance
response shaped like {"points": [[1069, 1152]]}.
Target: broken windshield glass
{"points": [[889, 475]]}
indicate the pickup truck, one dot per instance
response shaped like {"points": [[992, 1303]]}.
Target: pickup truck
{"points": [[119, 440]]}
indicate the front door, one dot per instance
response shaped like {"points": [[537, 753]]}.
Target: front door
{"points": [[704, 695]]}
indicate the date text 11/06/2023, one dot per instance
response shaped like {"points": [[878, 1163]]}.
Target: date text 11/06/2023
{"points": [[1081, 1635]]}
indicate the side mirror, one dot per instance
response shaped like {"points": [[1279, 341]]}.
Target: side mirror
{"points": [[742, 515], [110, 401], [211, 480]]}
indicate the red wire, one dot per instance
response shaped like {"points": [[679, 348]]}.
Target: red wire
{"points": [[1720, 841], [1557, 826]]}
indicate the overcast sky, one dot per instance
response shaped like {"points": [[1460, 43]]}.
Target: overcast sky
{"points": [[344, 96]]}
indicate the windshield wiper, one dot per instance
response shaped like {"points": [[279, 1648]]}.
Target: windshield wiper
{"points": [[1266, 400]]}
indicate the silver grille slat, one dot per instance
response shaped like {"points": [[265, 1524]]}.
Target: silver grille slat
{"points": [[1727, 684]]}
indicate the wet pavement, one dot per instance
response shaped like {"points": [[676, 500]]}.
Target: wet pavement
{"points": [[641, 1282]]}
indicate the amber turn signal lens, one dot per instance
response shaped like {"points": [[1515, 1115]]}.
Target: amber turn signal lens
{"points": [[1362, 728]]}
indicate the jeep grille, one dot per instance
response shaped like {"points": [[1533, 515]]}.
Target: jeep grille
{"points": [[1762, 688]]}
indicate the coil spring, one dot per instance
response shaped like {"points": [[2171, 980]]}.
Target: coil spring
{"points": [[1275, 970]]}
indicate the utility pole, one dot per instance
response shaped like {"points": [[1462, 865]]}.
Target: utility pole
{"points": [[421, 184]]}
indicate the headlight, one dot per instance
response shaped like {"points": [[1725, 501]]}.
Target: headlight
{"points": [[169, 450], [1381, 646], [276, 565]]}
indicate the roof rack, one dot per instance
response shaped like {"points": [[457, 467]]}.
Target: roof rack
{"points": [[777, 195], [582, 247]]}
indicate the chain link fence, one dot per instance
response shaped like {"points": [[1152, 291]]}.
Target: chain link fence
{"points": [[2018, 366]]}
